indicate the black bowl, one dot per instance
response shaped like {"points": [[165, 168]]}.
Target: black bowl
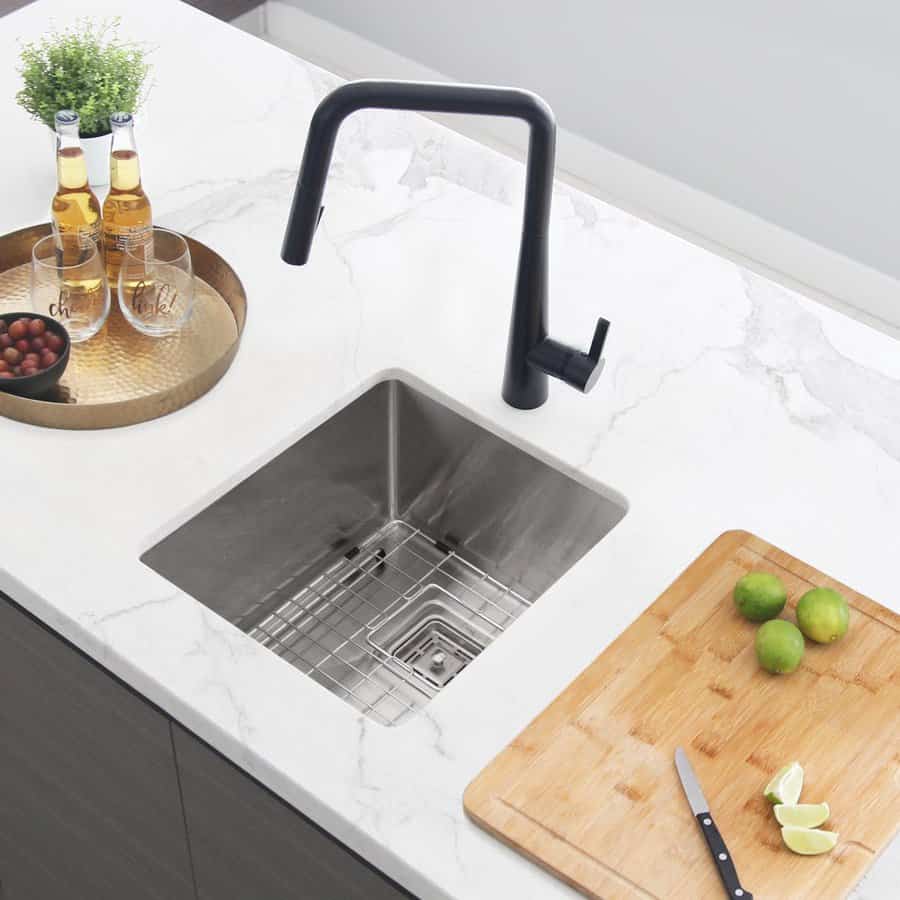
{"points": [[36, 385]]}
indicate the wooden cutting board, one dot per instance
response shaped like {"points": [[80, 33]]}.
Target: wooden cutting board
{"points": [[589, 789]]}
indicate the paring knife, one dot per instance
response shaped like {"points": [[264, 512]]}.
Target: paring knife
{"points": [[700, 808]]}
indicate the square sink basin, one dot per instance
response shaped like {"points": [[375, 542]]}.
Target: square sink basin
{"points": [[383, 551]]}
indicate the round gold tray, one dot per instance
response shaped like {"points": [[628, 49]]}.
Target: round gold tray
{"points": [[120, 376]]}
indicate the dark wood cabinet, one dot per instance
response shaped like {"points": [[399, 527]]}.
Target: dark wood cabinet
{"points": [[104, 797], [247, 843], [89, 800]]}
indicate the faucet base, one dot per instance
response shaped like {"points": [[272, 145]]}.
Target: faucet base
{"points": [[527, 391]]}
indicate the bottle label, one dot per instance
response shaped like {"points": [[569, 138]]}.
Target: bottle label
{"points": [[89, 234], [118, 238], [84, 235]]}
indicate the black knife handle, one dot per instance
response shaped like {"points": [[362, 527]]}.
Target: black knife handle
{"points": [[722, 858]]}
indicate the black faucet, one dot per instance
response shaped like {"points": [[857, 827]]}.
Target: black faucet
{"points": [[531, 355]]}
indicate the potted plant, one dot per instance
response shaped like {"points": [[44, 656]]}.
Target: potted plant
{"points": [[88, 69]]}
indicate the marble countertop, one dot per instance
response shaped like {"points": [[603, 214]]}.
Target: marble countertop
{"points": [[727, 402]]}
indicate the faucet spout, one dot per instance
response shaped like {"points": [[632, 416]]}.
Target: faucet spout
{"points": [[531, 355]]}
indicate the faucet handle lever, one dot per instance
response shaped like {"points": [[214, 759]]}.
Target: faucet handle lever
{"points": [[599, 340], [575, 367]]}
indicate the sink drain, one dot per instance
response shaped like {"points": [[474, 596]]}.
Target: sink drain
{"points": [[432, 635], [437, 651]]}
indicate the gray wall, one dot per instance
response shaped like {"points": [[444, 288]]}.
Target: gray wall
{"points": [[786, 109]]}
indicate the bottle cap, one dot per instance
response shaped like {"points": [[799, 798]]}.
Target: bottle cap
{"points": [[118, 119], [67, 117]]}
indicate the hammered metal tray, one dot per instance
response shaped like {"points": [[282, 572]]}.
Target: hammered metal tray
{"points": [[120, 376]]}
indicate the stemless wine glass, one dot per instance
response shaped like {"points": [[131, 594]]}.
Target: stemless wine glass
{"points": [[68, 282], [156, 283]]}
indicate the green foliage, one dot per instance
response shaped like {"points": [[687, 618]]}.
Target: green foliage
{"points": [[86, 68]]}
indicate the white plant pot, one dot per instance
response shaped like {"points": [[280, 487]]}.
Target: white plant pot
{"points": [[96, 155]]}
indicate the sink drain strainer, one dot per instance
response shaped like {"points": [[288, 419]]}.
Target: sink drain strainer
{"points": [[437, 652], [432, 635]]}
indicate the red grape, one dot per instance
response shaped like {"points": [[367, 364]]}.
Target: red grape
{"points": [[12, 356], [18, 329], [37, 327], [54, 342]]}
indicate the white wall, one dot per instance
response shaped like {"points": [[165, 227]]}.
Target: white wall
{"points": [[790, 110]]}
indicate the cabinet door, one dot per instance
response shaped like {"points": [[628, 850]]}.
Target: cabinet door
{"points": [[89, 801], [247, 843]]}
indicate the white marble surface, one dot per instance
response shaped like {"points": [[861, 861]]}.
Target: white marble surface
{"points": [[727, 402]]}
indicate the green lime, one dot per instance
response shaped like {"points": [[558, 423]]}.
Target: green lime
{"points": [[823, 615], [760, 596], [809, 841], [802, 815], [779, 646], [785, 786]]}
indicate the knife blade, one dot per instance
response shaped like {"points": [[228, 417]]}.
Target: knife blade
{"points": [[700, 808]]}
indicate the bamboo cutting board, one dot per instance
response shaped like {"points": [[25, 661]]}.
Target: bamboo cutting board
{"points": [[589, 789]]}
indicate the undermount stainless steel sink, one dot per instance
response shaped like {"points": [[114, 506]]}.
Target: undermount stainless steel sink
{"points": [[385, 549]]}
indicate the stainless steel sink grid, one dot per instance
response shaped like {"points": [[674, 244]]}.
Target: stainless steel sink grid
{"points": [[361, 630], [381, 553]]}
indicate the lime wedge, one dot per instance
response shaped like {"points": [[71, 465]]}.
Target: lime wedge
{"points": [[802, 815], [809, 841], [785, 787]]}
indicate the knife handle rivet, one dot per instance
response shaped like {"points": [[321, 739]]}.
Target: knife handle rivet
{"points": [[707, 821], [738, 893], [723, 856]]}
